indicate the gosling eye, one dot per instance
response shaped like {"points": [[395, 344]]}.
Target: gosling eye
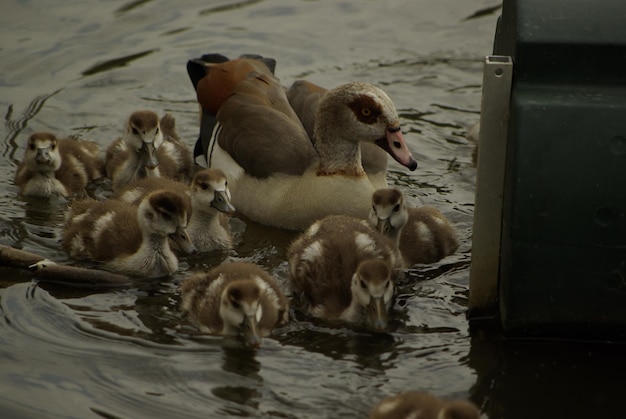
{"points": [[204, 186], [235, 304], [363, 284], [32, 146], [166, 216], [157, 130], [374, 209], [135, 131], [396, 208], [366, 111], [53, 146], [387, 284]]}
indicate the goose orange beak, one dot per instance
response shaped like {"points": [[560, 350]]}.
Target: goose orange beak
{"points": [[394, 144]]}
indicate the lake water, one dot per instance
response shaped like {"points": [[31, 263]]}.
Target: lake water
{"points": [[79, 68]]}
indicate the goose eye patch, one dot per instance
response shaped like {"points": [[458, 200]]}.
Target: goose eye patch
{"points": [[366, 109]]}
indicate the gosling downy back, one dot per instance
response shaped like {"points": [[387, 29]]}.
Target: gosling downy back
{"points": [[423, 234], [209, 198], [341, 269], [126, 238], [235, 299]]}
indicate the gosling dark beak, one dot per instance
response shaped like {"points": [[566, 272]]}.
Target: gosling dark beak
{"points": [[377, 314], [183, 241], [43, 156], [221, 202], [148, 154], [251, 336], [383, 226]]}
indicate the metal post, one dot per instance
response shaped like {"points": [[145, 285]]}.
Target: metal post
{"points": [[494, 118]]}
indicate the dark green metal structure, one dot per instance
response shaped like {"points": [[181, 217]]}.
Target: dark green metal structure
{"points": [[561, 268]]}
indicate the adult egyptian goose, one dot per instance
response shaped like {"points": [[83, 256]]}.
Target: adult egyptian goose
{"points": [[129, 239], [208, 226], [423, 234], [235, 299], [149, 148], [341, 269], [58, 167], [416, 404], [278, 176]]}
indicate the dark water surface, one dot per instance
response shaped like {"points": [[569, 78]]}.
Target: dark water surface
{"points": [[77, 67]]}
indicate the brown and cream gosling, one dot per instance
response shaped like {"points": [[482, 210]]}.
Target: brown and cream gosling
{"points": [[414, 405], [58, 167], [235, 299], [341, 269], [148, 148], [129, 239], [423, 235], [208, 226]]}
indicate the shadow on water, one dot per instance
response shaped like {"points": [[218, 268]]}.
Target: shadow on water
{"points": [[131, 6], [548, 379], [228, 7], [367, 350], [116, 62], [240, 361]]}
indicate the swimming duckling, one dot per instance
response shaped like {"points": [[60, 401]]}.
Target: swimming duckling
{"points": [[129, 239], [423, 235], [235, 299], [414, 404], [58, 167], [341, 269], [208, 226], [148, 149]]}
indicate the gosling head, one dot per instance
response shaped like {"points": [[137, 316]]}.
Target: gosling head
{"points": [[372, 288], [42, 153], [143, 134], [241, 311], [389, 213], [166, 214], [210, 190]]}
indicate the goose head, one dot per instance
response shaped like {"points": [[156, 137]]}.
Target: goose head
{"points": [[389, 213], [166, 214], [42, 153], [372, 288], [209, 189], [241, 310], [143, 134], [362, 112]]}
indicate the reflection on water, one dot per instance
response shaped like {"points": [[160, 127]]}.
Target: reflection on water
{"points": [[516, 379]]}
